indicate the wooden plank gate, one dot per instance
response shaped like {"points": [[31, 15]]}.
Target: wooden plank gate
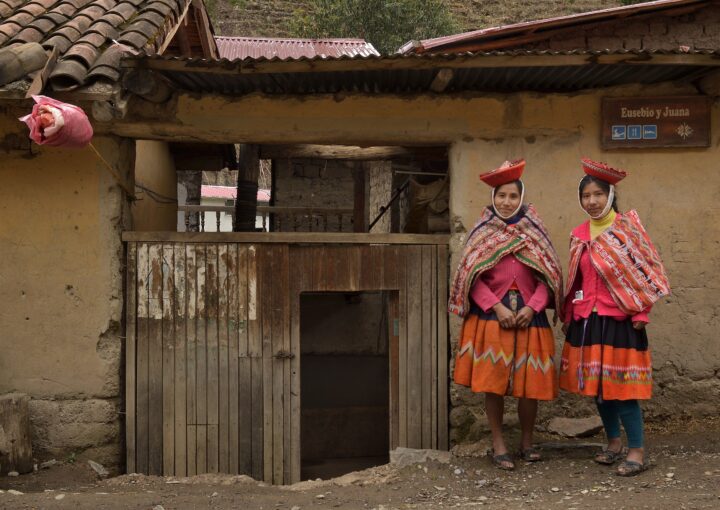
{"points": [[213, 344]]}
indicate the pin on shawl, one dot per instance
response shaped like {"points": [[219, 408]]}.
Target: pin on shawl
{"points": [[624, 255]]}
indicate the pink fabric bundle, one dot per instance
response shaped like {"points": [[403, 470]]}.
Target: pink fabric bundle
{"points": [[58, 124]]}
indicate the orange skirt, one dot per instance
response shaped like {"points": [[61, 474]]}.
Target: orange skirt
{"points": [[513, 362], [604, 357]]}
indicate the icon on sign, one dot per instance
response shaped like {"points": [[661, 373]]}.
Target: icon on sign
{"points": [[649, 132], [634, 132], [619, 132]]}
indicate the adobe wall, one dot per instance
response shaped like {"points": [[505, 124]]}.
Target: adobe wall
{"points": [[61, 292], [675, 197], [155, 170], [552, 131]]}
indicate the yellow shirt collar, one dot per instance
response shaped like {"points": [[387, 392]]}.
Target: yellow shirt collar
{"points": [[597, 227]]}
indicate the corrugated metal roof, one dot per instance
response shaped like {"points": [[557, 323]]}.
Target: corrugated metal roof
{"points": [[506, 36], [228, 192], [234, 48], [502, 71]]}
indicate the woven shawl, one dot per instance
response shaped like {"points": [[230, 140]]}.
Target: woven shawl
{"points": [[628, 263], [490, 240]]}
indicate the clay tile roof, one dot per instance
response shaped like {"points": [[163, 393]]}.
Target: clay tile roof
{"points": [[125, 10], [34, 8], [55, 17], [83, 32], [27, 35], [234, 48]]}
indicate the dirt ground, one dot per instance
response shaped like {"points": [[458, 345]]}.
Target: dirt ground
{"points": [[684, 474]]}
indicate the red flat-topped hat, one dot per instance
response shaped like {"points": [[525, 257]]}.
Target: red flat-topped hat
{"points": [[508, 172], [603, 171]]}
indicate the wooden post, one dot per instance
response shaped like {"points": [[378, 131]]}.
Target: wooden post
{"points": [[15, 441], [192, 181], [246, 201], [361, 201]]}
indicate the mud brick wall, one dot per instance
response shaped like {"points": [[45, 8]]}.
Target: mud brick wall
{"points": [[698, 30], [380, 178]]}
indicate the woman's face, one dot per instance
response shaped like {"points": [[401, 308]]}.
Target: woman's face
{"points": [[593, 199], [507, 199]]}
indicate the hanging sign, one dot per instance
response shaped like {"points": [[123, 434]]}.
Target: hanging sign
{"points": [[645, 122]]}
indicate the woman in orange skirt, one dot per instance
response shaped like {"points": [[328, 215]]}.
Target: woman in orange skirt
{"points": [[615, 277], [508, 274]]}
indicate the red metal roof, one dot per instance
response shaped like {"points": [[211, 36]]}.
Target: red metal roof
{"points": [[234, 48], [496, 38], [228, 192]]}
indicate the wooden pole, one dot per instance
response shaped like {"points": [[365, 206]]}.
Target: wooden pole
{"points": [[247, 185], [361, 202]]}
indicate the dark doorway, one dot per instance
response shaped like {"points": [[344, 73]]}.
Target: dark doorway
{"points": [[344, 370]]}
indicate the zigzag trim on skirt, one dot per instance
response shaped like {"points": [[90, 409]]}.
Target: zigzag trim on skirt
{"points": [[631, 374], [490, 354]]}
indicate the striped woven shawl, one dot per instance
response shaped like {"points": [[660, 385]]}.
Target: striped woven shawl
{"points": [[627, 261], [490, 240]]}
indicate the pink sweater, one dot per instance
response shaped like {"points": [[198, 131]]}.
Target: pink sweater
{"points": [[492, 285], [596, 296]]}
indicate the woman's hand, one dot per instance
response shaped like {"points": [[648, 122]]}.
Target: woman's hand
{"points": [[505, 317], [638, 325], [564, 328], [524, 317]]}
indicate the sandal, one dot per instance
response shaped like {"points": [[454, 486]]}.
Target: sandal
{"points": [[608, 457], [530, 454], [631, 468], [503, 461]]}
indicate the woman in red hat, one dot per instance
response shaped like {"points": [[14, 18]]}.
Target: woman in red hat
{"points": [[509, 273], [615, 276]]}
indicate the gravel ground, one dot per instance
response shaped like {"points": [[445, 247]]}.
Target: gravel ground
{"points": [[684, 473]]}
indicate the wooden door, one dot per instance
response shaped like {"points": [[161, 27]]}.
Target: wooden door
{"points": [[213, 349]]}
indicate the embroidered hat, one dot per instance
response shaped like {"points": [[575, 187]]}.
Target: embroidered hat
{"points": [[603, 171], [508, 172]]}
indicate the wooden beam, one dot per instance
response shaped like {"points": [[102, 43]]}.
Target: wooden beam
{"points": [[173, 30], [285, 237], [202, 22], [348, 152], [420, 63], [41, 78], [442, 79], [183, 40], [202, 156]]}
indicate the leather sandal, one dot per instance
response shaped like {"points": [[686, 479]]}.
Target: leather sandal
{"points": [[502, 461], [609, 457], [530, 454], [631, 468]]}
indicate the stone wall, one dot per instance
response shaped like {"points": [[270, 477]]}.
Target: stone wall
{"points": [[380, 178], [698, 30], [61, 291], [313, 183]]}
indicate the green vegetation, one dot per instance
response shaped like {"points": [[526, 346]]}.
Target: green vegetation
{"points": [[387, 24]]}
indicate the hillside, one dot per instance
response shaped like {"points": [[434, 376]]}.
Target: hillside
{"points": [[269, 18]]}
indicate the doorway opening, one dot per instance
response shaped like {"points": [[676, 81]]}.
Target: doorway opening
{"points": [[345, 372]]}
